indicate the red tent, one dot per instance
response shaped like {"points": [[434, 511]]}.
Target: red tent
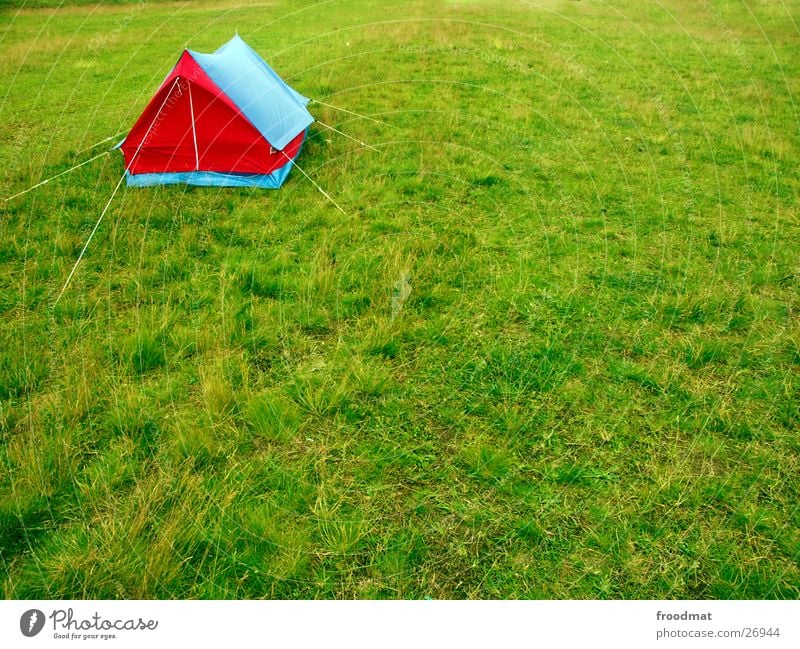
{"points": [[218, 119]]}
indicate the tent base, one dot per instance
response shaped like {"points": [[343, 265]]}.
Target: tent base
{"points": [[204, 179]]}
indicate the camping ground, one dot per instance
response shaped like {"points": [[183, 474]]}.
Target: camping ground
{"points": [[549, 350]]}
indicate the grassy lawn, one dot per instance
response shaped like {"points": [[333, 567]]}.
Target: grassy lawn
{"points": [[551, 350]]}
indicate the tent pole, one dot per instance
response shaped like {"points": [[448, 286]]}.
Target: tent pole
{"points": [[194, 132]]}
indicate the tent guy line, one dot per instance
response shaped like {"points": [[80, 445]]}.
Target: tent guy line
{"points": [[344, 110], [85, 162], [349, 137], [110, 137], [47, 180], [114, 193], [311, 180], [86, 245]]}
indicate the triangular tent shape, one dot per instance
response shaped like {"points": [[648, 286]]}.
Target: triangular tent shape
{"points": [[222, 119]]}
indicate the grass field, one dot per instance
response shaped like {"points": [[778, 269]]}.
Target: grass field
{"points": [[551, 351]]}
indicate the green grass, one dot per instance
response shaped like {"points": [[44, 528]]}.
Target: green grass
{"points": [[551, 351]]}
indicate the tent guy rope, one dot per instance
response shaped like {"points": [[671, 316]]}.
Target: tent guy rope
{"points": [[114, 193], [349, 137], [322, 191], [86, 245], [110, 137], [47, 180], [344, 110]]}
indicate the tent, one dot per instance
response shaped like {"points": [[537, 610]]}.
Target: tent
{"points": [[224, 119]]}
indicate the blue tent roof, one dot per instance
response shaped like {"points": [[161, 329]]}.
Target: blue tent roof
{"points": [[276, 110]]}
